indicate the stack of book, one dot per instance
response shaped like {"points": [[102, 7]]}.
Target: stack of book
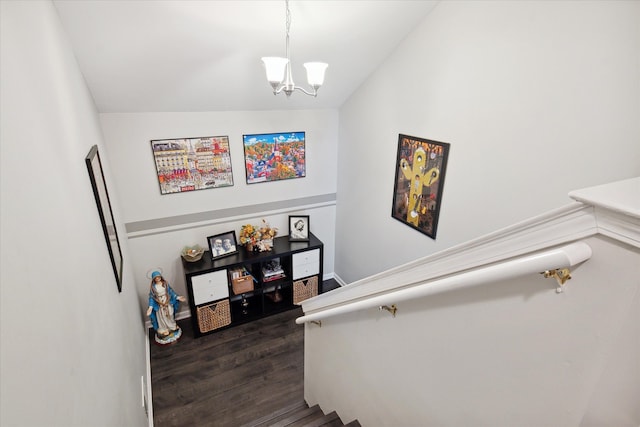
{"points": [[272, 270]]}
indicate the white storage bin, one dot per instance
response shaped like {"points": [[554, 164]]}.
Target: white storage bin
{"points": [[305, 263], [210, 287]]}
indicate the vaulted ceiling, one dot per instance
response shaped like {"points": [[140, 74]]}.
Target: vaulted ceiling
{"points": [[159, 55]]}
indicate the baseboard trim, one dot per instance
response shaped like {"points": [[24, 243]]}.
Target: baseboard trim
{"points": [[148, 382], [339, 280]]}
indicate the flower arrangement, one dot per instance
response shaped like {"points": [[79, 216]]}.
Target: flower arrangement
{"points": [[258, 238]]}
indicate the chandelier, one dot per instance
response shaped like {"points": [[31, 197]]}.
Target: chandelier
{"points": [[279, 70]]}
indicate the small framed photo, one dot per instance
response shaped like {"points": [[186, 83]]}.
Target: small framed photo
{"points": [[222, 245], [298, 228]]}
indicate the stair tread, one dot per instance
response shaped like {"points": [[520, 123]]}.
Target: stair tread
{"points": [[299, 417], [329, 420], [275, 416]]}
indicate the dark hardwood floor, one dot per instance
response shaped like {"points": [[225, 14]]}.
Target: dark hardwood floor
{"points": [[231, 377]]}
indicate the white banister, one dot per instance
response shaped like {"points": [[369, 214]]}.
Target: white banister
{"points": [[566, 256]]}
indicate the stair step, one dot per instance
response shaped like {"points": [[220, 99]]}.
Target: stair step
{"points": [[299, 417], [329, 420], [268, 420]]}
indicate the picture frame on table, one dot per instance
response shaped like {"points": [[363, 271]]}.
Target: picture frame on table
{"points": [[99, 185], [223, 244], [298, 228]]}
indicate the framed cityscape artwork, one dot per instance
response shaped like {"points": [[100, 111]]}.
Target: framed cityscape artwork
{"points": [[189, 164], [419, 180], [274, 156]]}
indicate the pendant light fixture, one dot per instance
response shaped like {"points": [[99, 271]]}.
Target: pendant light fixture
{"points": [[279, 69]]}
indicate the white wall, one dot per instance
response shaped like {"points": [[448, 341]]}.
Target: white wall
{"points": [[128, 139], [535, 98], [509, 353], [73, 347]]}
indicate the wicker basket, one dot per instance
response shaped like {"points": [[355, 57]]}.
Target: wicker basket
{"points": [[305, 289], [214, 316], [242, 284]]}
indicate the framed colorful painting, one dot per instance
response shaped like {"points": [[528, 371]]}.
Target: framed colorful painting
{"points": [[274, 156], [419, 180], [189, 164]]}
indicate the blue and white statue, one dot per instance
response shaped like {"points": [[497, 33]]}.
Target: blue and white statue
{"points": [[163, 306]]}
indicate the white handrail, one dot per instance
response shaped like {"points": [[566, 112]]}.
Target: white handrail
{"points": [[566, 256]]}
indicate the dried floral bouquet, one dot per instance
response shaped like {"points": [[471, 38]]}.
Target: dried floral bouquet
{"points": [[258, 238]]}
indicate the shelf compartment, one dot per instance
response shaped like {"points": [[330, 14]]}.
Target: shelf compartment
{"points": [[272, 285], [251, 294], [246, 307], [306, 263], [272, 271], [214, 316], [273, 304], [242, 284], [209, 287], [305, 289]]}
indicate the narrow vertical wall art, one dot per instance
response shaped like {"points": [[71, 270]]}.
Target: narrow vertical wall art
{"points": [[420, 170], [101, 194]]}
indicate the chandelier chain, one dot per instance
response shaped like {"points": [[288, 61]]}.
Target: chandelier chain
{"points": [[277, 65], [288, 20]]}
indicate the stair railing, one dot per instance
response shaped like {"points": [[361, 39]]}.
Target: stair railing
{"points": [[552, 263]]}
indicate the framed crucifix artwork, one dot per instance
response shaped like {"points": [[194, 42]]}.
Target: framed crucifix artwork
{"points": [[419, 180]]}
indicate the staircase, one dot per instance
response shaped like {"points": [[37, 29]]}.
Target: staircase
{"points": [[517, 341], [300, 415]]}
